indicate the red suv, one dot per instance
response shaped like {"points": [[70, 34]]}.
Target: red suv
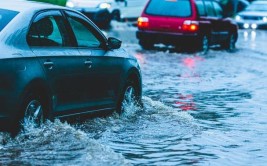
{"points": [[186, 24]]}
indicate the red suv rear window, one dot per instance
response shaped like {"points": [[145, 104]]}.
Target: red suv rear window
{"points": [[172, 8]]}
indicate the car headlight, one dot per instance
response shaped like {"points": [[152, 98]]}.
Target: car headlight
{"points": [[70, 4], [264, 19], [104, 5], [238, 18]]}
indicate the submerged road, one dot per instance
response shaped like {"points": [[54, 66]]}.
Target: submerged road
{"points": [[198, 110]]}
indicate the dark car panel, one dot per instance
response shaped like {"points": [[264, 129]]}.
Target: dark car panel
{"points": [[95, 65], [50, 68], [213, 19], [16, 75]]}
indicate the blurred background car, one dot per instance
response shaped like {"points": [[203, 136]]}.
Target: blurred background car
{"points": [[254, 16], [102, 12], [99, 12], [186, 24]]}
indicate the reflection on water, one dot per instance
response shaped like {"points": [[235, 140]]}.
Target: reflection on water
{"points": [[186, 103], [224, 93], [191, 62], [250, 35], [253, 40]]}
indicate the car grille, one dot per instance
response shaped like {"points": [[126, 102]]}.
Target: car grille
{"points": [[252, 18]]}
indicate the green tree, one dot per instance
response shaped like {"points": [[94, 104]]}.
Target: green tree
{"points": [[56, 2]]}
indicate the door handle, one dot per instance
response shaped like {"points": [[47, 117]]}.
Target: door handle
{"points": [[49, 65], [88, 63]]}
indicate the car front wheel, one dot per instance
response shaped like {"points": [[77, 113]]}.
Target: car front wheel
{"points": [[33, 109], [130, 96]]}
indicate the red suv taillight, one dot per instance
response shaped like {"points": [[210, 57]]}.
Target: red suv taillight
{"points": [[191, 26], [142, 22]]}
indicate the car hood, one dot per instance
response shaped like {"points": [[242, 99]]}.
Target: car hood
{"points": [[88, 3], [253, 13], [121, 52]]}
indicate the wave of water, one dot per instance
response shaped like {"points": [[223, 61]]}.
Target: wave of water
{"points": [[55, 143], [145, 136], [112, 140]]}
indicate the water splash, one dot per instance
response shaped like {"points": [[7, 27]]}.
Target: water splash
{"points": [[56, 143], [99, 141]]}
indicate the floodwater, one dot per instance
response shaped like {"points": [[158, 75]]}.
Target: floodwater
{"points": [[198, 110]]}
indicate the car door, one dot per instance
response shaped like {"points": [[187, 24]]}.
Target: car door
{"points": [[213, 21], [222, 23], [101, 67], [49, 40]]}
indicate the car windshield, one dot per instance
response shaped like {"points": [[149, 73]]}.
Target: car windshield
{"points": [[174, 8], [257, 7], [5, 17]]}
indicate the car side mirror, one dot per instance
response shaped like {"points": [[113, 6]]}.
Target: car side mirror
{"points": [[114, 43]]}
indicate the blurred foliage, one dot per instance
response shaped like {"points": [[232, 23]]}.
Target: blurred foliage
{"points": [[56, 2]]}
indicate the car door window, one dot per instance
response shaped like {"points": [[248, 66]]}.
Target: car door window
{"points": [[218, 10], [84, 34], [209, 9], [200, 8], [48, 30]]}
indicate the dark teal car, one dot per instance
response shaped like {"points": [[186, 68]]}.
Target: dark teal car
{"points": [[56, 63]]}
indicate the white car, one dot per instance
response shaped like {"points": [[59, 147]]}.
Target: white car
{"points": [[118, 9], [254, 16]]}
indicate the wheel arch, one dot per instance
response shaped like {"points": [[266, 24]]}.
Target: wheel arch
{"points": [[134, 75], [40, 88]]}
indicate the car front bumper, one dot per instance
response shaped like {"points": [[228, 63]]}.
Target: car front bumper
{"points": [[251, 24], [167, 37]]}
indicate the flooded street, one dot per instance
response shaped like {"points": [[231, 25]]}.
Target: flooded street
{"points": [[198, 110]]}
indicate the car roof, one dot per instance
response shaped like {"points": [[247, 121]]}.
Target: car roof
{"points": [[23, 5]]}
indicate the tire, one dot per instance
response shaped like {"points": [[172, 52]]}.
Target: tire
{"points": [[146, 45], [33, 111], [204, 44], [229, 45], [129, 96]]}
